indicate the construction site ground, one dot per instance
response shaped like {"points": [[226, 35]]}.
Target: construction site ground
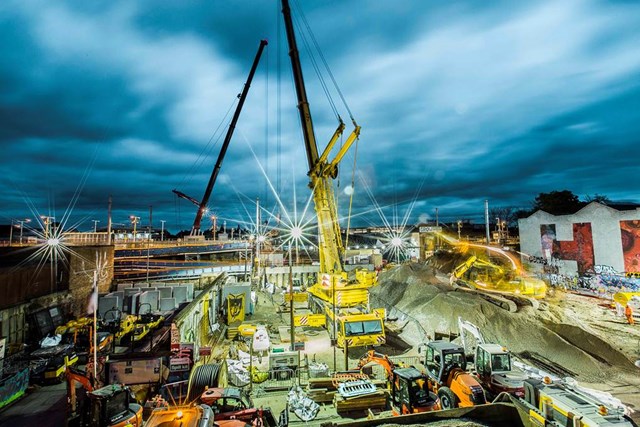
{"points": [[570, 335]]}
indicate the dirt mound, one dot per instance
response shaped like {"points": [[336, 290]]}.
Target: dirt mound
{"points": [[546, 338]]}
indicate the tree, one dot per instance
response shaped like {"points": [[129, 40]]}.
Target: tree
{"points": [[598, 198], [507, 214], [558, 202]]}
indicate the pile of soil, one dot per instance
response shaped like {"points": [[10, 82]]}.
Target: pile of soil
{"points": [[572, 336]]}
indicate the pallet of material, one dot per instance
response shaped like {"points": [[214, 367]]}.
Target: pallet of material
{"points": [[377, 400], [320, 395], [327, 382]]}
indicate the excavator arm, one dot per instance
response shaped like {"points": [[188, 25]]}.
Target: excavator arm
{"points": [[383, 360]]}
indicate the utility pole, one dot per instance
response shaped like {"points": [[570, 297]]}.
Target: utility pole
{"points": [[293, 332], [109, 222], [258, 237], [22, 227], [162, 221], [149, 240], [486, 220]]}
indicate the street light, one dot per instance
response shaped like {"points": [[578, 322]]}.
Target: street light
{"points": [[95, 225], [214, 220], [18, 221], [162, 221], [134, 221], [47, 221]]}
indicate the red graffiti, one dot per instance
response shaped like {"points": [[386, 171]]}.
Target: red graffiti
{"points": [[580, 249], [630, 234]]}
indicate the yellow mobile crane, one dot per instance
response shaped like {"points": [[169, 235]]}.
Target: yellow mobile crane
{"points": [[343, 300]]}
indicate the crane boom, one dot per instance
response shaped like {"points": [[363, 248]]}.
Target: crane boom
{"points": [[321, 172], [184, 196], [214, 174]]}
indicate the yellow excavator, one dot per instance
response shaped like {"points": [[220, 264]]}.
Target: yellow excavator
{"points": [[344, 299], [481, 274]]}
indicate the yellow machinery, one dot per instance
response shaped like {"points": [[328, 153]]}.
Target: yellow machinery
{"points": [[485, 275], [335, 289], [555, 405]]}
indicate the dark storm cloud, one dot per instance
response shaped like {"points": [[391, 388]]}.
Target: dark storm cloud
{"points": [[458, 103]]}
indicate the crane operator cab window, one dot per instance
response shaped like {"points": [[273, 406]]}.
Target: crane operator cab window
{"points": [[366, 327]]}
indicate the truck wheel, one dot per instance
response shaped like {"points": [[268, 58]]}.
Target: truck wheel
{"points": [[448, 399]]}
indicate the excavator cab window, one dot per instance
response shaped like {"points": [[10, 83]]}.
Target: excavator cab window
{"points": [[454, 360], [432, 361], [500, 362]]}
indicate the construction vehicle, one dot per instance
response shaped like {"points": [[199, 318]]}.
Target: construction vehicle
{"points": [[492, 363], [202, 204], [50, 364], [553, 404], [446, 365], [82, 340], [109, 406], [481, 274], [409, 387], [121, 326], [233, 404], [335, 289]]}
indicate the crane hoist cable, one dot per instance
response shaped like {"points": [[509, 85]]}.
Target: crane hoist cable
{"points": [[216, 135], [353, 183], [316, 68], [324, 61]]}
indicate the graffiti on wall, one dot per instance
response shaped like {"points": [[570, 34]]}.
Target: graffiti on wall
{"points": [[14, 387], [580, 249], [630, 234]]}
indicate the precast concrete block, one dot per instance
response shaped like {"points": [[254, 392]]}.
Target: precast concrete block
{"points": [[180, 294], [108, 302], [167, 304], [165, 291], [152, 298]]}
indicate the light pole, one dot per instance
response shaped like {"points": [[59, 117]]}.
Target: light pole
{"points": [[95, 225], [291, 317], [214, 219], [162, 221], [22, 226], [47, 222], [134, 221], [459, 228]]}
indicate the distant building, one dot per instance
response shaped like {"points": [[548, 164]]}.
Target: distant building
{"points": [[597, 238]]}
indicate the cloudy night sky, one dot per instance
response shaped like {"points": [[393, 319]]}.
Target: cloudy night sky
{"points": [[459, 102]]}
